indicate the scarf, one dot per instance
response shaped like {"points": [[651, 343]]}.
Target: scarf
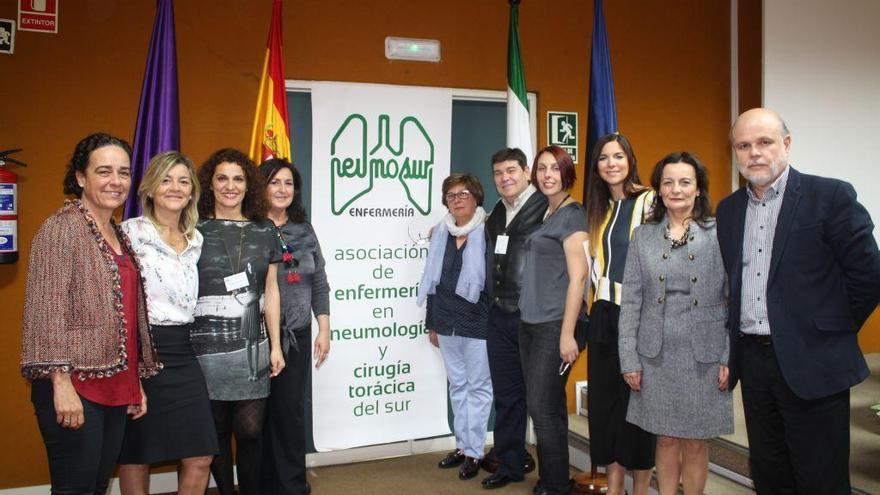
{"points": [[472, 278]]}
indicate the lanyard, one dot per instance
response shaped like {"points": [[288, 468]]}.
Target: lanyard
{"points": [[237, 267], [550, 212]]}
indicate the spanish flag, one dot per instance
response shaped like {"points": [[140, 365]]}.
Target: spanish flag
{"points": [[270, 137]]}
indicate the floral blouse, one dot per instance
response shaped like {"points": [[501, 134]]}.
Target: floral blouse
{"points": [[171, 280]]}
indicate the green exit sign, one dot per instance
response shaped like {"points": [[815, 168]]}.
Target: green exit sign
{"points": [[562, 131]]}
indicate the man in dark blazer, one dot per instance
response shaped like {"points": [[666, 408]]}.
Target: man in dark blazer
{"points": [[804, 275], [518, 213]]}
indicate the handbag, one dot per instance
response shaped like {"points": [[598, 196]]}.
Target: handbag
{"points": [[581, 330]]}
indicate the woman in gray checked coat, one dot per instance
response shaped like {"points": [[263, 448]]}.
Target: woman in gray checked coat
{"points": [[673, 342]]}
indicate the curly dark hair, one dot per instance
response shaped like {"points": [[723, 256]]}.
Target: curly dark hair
{"points": [[81, 154], [702, 213], [253, 207], [296, 212]]}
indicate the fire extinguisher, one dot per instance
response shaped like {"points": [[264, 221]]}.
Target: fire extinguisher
{"points": [[8, 208]]}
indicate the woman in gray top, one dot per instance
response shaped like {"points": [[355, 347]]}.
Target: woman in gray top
{"points": [[550, 303], [304, 291], [672, 336]]}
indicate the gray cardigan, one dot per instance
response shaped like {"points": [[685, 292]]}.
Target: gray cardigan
{"points": [[643, 301]]}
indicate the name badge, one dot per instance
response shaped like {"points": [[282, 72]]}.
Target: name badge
{"points": [[501, 244], [235, 282]]}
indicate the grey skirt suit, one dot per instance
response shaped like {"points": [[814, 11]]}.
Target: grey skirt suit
{"points": [[673, 320]]}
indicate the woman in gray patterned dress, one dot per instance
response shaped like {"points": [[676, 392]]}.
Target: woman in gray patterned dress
{"points": [[237, 272], [672, 337]]}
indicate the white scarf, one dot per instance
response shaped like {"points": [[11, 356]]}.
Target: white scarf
{"points": [[458, 231]]}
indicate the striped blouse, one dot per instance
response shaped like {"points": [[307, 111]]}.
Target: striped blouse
{"points": [[606, 271]]}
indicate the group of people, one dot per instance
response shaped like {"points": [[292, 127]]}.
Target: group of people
{"points": [[196, 304], [178, 318], [684, 304]]}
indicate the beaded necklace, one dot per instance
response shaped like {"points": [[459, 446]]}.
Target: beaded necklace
{"points": [[290, 263], [680, 241]]}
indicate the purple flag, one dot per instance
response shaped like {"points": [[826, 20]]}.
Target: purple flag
{"points": [[158, 121]]}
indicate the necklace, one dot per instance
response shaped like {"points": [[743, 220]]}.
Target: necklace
{"points": [[177, 243], [237, 267], [287, 258], [552, 211], [677, 242]]}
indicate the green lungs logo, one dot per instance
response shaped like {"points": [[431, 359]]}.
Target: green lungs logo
{"points": [[354, 169]]}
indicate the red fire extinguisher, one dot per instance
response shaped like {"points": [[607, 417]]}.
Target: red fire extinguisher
{"points": [[8, 208]]}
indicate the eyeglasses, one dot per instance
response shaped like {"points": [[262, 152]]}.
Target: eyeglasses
{"points": [[463, 194]]}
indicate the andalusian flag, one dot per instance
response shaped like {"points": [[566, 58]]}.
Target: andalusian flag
{"points": [[270, 137], [519, 134]]}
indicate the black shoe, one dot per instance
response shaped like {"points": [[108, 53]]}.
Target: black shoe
{"points": [[529, 464], [469, 469], [541, 490], [490, 462], [498, 480], [451, 460]]}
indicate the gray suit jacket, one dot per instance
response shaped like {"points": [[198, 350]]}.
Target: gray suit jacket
{"points": [[643, 302]]}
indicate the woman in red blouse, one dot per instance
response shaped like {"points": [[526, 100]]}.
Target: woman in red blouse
{"points": [[85, 338]]}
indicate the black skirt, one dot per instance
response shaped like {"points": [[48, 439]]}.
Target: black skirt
{"points": [[178, 423], [612, 438]]}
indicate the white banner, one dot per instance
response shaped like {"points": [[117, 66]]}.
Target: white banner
{"points": [[379, 156]]}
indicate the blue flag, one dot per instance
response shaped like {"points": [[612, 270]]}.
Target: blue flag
{"points": [[158, 121], [602, 113]]}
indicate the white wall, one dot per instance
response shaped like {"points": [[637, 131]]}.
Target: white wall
{"points": [[822, 74]]}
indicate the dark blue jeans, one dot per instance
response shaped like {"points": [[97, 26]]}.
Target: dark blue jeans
{"points": [[545, 396], [508, 385], [80, 461]]}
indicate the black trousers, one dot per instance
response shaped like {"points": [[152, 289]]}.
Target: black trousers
{"points": [[796, 446], [284, 438], [509, 387], [80, 461], [545, 396]]}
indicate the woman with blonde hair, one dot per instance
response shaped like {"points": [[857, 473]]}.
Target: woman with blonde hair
{"points": [[180, 426]]}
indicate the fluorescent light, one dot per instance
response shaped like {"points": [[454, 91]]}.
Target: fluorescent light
{"points": [[412, 49]]}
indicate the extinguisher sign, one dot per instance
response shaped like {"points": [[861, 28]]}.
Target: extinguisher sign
{"points": [[8, 236], [38, 15], [8, 204], [8, 228]]}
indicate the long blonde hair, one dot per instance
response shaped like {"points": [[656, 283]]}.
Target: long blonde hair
{"points": [[159, 167]]}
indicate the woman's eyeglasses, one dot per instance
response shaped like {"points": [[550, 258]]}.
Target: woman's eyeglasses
{"points": [[463, 194]]}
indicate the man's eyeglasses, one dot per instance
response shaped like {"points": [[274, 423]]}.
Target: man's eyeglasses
{"points": [[463, 194]]}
